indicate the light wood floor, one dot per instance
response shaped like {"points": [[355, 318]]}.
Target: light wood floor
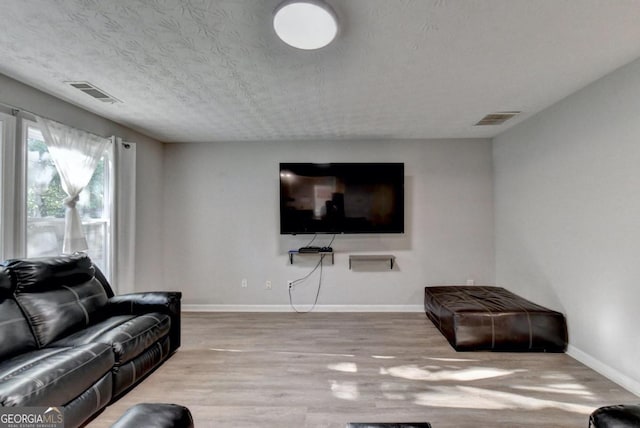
{"points": [[326, 369]]}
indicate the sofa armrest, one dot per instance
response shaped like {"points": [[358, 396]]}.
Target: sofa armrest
{"points": [[165, 302]]}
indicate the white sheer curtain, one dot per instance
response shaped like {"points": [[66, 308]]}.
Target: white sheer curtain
{"points": [[76, 154]]}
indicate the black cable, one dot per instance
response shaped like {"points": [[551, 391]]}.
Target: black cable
{"points": [[315, 235], [295, 281], [320, 265]]}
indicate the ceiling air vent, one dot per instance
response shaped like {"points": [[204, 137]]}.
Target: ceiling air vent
{"points": [[497, 118], [93, 91]]}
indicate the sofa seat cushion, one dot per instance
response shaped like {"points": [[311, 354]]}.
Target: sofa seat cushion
{"points": [[130, 373], [52, 376], [128, 335], [81, 408]]}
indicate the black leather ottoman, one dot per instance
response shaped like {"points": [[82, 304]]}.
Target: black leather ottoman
{"points": [[478, 318], [618, 416], [155, 415]]}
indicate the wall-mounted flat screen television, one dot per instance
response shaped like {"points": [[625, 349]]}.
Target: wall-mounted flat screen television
{"points": [[341, 198]]}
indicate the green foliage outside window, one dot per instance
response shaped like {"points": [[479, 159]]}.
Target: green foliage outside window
{"points": [[46, 200]]}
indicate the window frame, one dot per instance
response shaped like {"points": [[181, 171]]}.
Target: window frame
{"points": [[7, 175], [13, 197], [22, 200]]}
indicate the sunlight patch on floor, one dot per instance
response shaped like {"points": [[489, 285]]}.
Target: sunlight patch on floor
{"points": [[562, 388], [345, 390], [344, 367], [262, 351], [225, 350], [452, 360], [557, 376], [394, 390], [435, 374], [466, 397], [394, 396]]}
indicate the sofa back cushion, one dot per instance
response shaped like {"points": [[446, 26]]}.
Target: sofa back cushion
{"points": [[59, 295], [40, 274], [15, 334]]}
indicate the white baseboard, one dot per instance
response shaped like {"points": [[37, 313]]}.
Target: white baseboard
{"points": [[607, 371], [287, 308]]}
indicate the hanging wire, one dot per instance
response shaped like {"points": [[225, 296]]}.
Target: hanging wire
{"points": [[293, 283]]}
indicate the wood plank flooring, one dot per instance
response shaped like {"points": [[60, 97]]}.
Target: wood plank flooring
{"points": [[267, 370]]}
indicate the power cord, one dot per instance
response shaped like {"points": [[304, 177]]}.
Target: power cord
{"points": [[312, 239], [319, 265], [332, 238], [293, 284]]}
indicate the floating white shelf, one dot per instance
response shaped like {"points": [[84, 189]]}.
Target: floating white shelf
{"points": [[390, 258]]}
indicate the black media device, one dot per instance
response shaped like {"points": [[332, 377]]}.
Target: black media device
{"points": [[341, 198], [309, 249]]}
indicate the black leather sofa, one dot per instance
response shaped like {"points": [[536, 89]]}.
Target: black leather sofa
{"points": [[66, 341]]}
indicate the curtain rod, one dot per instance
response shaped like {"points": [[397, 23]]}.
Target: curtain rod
{"points": [[16, 111]]}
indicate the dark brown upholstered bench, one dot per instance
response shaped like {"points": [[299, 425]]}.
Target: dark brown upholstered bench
{"points": [[155, 415], [618, 416], [475, 318]]}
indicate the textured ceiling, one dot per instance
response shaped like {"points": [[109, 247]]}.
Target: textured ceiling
{"points": [[205, 70]]}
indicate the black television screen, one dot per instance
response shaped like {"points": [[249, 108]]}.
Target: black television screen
{"points": [[341, 198]]}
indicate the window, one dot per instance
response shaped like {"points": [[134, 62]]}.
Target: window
{"points": [[45, 211]]}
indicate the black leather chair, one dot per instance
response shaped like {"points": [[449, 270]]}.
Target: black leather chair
{"points": [[155, 415], [616, 416]]}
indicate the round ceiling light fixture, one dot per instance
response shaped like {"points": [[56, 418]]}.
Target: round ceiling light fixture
{"points": [[305, 24]]}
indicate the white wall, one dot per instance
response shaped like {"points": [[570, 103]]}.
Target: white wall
{"points": [[222, 224], [148, 165], [567, 210]]}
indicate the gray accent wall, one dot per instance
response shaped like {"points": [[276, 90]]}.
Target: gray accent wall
{"points": [[567, 213], [221, 208]]}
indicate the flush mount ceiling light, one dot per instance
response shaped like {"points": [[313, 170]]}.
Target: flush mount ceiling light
{"points": [[305, 24]]}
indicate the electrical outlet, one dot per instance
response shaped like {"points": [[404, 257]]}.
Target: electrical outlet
{"points": [[244, 283], [471, 282], [267, 285]]}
